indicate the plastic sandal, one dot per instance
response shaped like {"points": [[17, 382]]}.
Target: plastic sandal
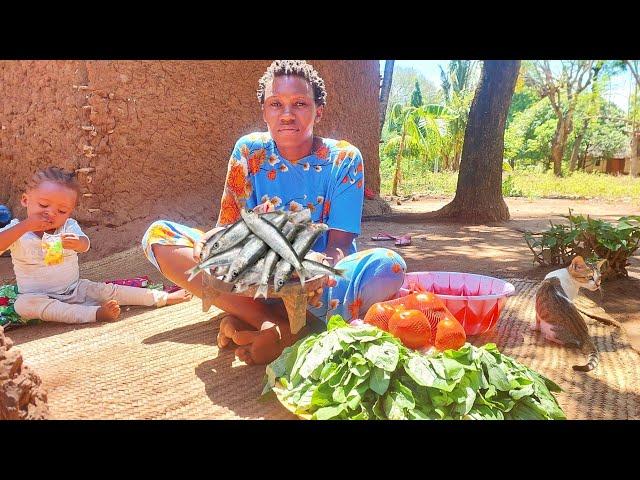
{"points": [[383, 236], [403, 241], [368, 193]]}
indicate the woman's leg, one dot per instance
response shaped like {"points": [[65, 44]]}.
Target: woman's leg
{"points": [[169, 246], [370, 276]]}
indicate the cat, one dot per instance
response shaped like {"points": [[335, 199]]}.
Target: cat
{"points": [[558, 318]]}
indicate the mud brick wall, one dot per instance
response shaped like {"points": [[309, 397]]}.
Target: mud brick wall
{"points": [[152, 139]]}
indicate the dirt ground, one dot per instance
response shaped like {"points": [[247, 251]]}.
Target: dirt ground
{"points": [[499, 249], [493, 249]]}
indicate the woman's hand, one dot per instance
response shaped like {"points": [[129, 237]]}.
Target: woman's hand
{"points": [[265, 207], [315, 296], [197, 248]]}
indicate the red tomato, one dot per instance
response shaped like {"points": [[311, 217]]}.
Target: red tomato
{"points": [[379, 315], [449, 334], [421, 301], [411, 327]]}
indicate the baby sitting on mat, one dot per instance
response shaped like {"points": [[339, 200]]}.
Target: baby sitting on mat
{"points": [[44, 251]]}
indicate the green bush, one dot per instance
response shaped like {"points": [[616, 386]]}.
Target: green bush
{"points": [[419, 178], [509, 188], [592, 239]]}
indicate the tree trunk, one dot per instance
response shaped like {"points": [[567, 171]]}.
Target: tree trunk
{"points": [[576, 148], [456, 160], [478, 196], [445, 162], [384, 90], [633, 162], [583, 158], [557, 147], [398, 176]]}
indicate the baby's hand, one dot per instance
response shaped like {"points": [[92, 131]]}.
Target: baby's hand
{"points": [[37, 223], [72, 241]]}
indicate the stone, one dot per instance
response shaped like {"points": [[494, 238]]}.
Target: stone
{"points": [[22, 396]]}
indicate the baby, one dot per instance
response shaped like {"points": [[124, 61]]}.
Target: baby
{"points": [[47, 274]]}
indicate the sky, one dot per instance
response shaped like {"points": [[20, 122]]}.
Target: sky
{"points": [[618, 90]]}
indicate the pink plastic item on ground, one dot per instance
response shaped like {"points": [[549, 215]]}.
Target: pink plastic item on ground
{"points": [[368, 193], [401, 241], [475, 300], [171, 288], [140, 282], [143, 282]]}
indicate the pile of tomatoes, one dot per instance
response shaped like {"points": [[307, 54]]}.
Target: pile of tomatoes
{"points": [[419, 320]]}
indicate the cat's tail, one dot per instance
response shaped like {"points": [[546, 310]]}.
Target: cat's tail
{"points": [[594, 358], [606, 318]]}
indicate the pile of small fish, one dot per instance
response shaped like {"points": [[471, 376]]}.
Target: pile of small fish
{"points": [[261, 247]]}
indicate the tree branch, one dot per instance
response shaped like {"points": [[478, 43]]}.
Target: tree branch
{"points": [[633, 71], [585, 67], [550, 88]]}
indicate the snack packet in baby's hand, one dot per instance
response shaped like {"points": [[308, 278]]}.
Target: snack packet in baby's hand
{"points": [[52, 248]]}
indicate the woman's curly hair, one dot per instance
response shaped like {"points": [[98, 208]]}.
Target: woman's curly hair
{"points": [[294, 67]]}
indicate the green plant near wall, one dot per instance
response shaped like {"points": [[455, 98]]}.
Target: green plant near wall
{"points": [[592, 239]]}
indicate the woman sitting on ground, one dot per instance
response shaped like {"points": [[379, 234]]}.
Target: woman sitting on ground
{"points": [[288, 168]]}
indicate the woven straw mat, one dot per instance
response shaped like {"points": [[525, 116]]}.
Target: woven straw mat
{"points": [[164, 363]]}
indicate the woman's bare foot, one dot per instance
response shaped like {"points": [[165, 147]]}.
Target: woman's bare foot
{"points": [[179, 296], [108, 312], [259, 347], [229, 328]]}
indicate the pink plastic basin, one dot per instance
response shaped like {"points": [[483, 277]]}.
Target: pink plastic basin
{"points": [[475, 300]]}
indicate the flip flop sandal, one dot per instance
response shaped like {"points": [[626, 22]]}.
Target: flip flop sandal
{"points": [[368, 193], [403, 241], [383, 236]]}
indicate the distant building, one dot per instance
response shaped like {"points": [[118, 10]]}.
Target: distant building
{"points": [[617, 163]]}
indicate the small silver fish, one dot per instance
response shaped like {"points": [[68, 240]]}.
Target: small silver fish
{"points": [[249, 277], [301, 245], [302, 216], [219, 260], [253, 250], [221, 271], [238, 232], [275, 240], [289, 231], [206, 248], [320, 268]]}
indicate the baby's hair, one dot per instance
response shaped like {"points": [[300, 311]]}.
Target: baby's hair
{"points": [[57, 175], [299, 68]]}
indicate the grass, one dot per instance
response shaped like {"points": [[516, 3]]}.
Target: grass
{"points": [[521, 184]]}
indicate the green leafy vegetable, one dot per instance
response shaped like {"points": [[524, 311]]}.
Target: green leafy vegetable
{"points": [[364, 373]]}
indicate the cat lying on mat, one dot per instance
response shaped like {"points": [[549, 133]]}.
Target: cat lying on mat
{"points": [[558, 318]]}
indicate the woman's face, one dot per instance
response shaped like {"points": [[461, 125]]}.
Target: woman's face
{"points": [[290, 111]]}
